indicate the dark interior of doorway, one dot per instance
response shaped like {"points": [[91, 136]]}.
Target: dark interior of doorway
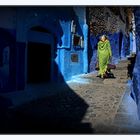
{"points": [[38, 63], [120, 43]]}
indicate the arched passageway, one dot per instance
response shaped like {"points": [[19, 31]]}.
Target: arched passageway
{"points": [[39, 55]]}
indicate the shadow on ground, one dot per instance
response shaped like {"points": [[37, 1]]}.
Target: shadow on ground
{"points": [[58, 113]]}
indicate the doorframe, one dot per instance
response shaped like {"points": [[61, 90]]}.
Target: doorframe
{"points": [[47, 39]]}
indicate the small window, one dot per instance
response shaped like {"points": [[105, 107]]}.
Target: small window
{"points": [[74, 57], [77, 40]]}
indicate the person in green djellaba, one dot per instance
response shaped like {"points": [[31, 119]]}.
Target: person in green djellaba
{"points": [[104, 55]]}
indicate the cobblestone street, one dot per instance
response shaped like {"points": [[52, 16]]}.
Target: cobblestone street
{"points": [[87, 104]]}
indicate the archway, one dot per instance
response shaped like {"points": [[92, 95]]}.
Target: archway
{"points": [[39, 55]]}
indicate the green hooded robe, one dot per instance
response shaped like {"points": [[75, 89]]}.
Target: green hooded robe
{"points": [[104, 54]]}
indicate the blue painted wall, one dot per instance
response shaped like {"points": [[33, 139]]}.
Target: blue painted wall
{"points": [[123, 55], [126, 44], [114, 42], [93, 52], [57, 21], [66, 66], [136, 71], [8, 70]]}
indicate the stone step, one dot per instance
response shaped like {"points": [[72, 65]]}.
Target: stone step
{"points": [[121, 68], [115, 81], [123, 71], [120, 74], [122, 64]]}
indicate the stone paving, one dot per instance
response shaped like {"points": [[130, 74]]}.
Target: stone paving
{"points": [[86, 104], [103, 101], [126, 118], [103, 98]]}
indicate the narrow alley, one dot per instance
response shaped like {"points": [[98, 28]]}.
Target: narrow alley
{"points": [[108, 107], [70, 70]]}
